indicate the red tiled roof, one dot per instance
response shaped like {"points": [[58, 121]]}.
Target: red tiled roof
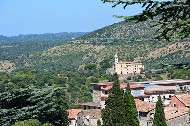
{"points": [[73, 113], [171, 112], [133, 86], [184, 98], [159, 90], [143, 106], [124, 85]]}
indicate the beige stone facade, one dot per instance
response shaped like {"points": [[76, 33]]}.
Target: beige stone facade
{"points": [[127, 67]]}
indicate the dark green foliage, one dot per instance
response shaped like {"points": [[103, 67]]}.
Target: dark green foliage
{"points": [[98, 123], [158, 77], [181, 74], [31, 122], [172, 16], [90, 66], [77, 85], [104, 64], [130, 108], [114, 112], [129, 78], [159, 116], [46, 105], [135, 79]]}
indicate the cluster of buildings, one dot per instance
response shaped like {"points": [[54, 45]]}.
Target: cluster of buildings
{"points": [[175, 95]]}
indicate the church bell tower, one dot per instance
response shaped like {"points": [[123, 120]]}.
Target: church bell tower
{"points": [[116, 58]]}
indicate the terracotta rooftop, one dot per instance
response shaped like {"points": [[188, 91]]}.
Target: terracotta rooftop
{"points": [[124, 85], [73, 113], [184, 98], [133, 86], [167, 82], [143, 106], [157, 88], [172, 112]]}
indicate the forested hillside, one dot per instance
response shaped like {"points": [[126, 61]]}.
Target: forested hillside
{"points": [[132, 41], [17, 49]]}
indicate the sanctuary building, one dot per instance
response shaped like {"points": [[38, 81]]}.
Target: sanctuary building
{"points": [[127, 67]]}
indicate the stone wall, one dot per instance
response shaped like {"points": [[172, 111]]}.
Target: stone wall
{"points": [[89, 117], [96, 96]]}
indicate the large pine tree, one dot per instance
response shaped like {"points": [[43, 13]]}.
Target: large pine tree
{"points": [[45, 104], [130, 108], [159, 116], [114, 112]]}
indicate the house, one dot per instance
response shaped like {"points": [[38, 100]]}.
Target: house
{"points": [[102, 90], [124, 68], [73, 113], [89, 117], [176, 116], [178, 83], [182, 100], [145, 109], [98, 96], [166, 92]]}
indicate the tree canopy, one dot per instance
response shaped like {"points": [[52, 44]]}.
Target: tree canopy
{"points": [[31, 122], [46, 105], [114, 112], [130, 108], [172, 17], [159, 116]]}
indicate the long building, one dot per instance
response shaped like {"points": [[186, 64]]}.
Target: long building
{"points": [[124, 68]]}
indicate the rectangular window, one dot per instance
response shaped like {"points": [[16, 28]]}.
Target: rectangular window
{"points": [[174, 105]]}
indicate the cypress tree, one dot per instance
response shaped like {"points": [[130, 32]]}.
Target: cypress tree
{"points": [[130, 108], [98, 123], [159, 116], [114, 112]]}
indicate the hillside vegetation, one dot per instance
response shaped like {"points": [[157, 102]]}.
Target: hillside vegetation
{"points": [[132, 41]]}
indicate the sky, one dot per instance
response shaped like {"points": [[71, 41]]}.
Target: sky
{"points": [[54, 16]]}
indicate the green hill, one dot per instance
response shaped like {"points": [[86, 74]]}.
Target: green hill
{"points": [[132, 41]]}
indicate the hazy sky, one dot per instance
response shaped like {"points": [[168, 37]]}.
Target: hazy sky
{"points": [[52, 16]]}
